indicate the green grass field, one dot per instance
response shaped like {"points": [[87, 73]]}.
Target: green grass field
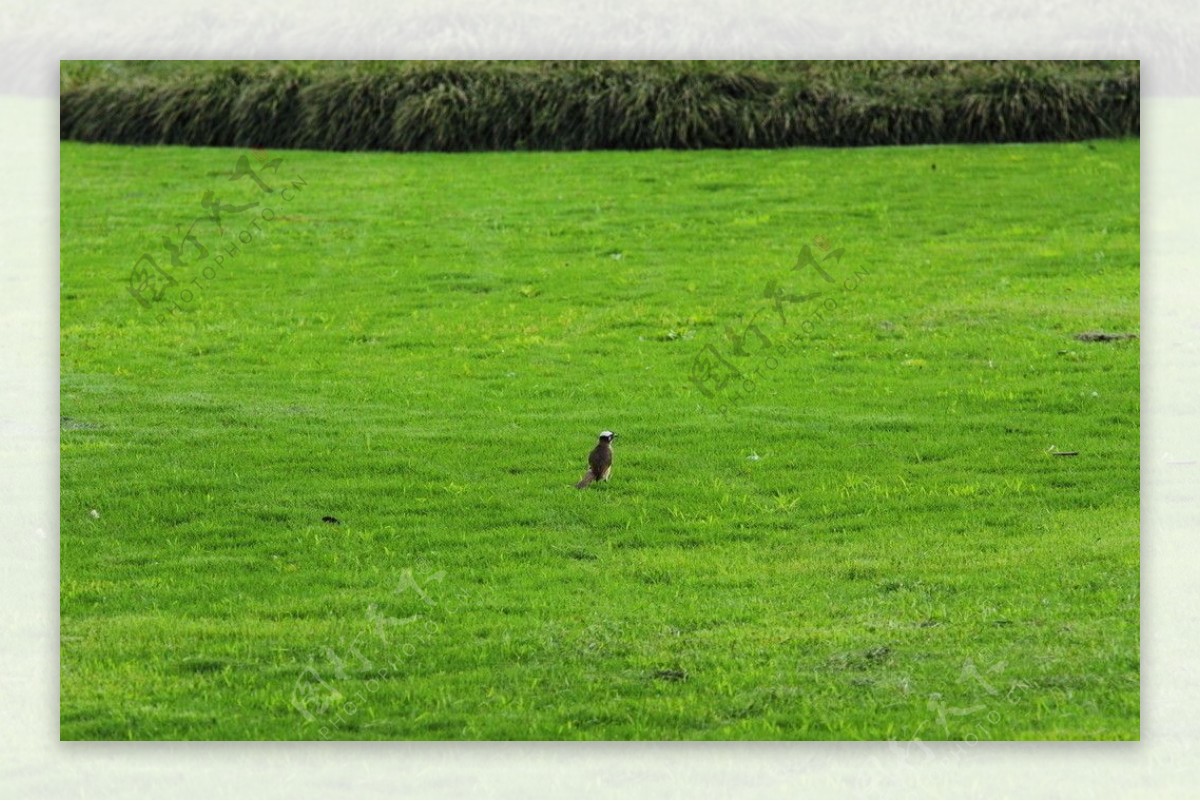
{"points": [[866, 535]]}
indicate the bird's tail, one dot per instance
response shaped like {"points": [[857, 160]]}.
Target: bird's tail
{"points": [[588, 478]]}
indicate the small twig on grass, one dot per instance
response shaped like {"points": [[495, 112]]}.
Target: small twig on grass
{"points": [[1102, 336]]}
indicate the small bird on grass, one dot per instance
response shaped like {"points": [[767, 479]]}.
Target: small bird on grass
{"points": [[599, 461]]}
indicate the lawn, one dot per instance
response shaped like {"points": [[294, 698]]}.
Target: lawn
{"points": [[867, 532]]}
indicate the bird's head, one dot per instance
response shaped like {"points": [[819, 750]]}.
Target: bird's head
{"points": [[607, 436]]}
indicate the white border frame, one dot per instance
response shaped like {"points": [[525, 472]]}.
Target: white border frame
{"points": [[34, 36]]}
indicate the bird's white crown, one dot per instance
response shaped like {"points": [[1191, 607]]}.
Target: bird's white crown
{"points": [[606, 433]]}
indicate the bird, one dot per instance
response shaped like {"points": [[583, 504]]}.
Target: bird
{"points": [[599, 461]]}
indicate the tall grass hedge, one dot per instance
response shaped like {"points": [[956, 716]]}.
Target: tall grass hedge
{"points": [[464, 106]]}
